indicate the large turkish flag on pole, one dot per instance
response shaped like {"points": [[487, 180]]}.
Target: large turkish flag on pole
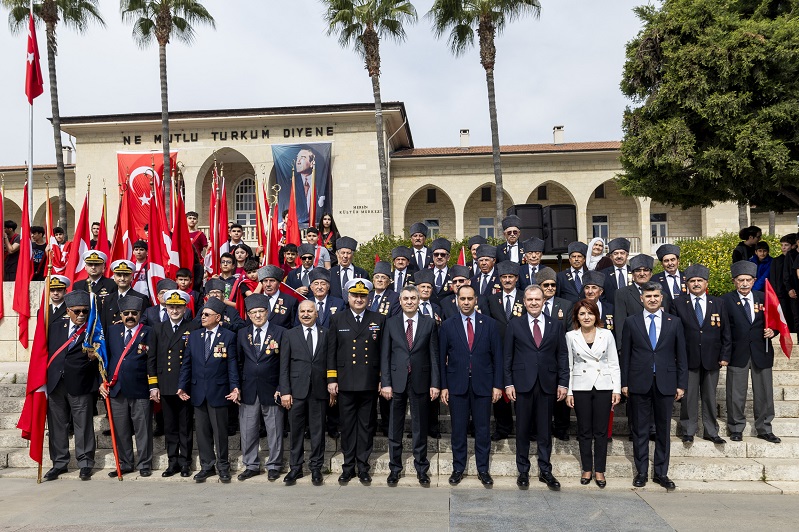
{"points": [[135, 169], [34, 85]]}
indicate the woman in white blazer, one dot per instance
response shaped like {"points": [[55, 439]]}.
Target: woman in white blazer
{"points": [[594, 385]]}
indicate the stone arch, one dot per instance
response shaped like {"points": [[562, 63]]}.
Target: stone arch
{"points": [[476, 208], [39, 216], [418, 209], [12, 211], [623, 214], [234, 167], [557, 194]]}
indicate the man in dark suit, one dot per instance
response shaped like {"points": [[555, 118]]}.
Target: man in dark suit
{"points": [[672, 280], [383, 299], [536, 374], [299, 278], [325, 304], [345, 270], [210, 373], [303, 391], [619, 275], [486, 281], [123, 276], [167, 343], [470, 355], [101, 285], [129, 390], [511, 250], [533, 250], [593, 283], [441, 248], [158, 313], [471, 254], [72, 379], [751, 350], [58, 289], [709, 343], [282, 308], [504, 307], [409, 374], [421, 255], [258, 351], [354, 377], [654, 374], [570, 281]]}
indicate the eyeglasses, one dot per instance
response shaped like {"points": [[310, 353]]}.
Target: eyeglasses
{"points": [[79, 311], [255, 312], [208, 314], [548, 285], [130, 312], [307, 258], [226, 262], [511, 232], [440, 254]]}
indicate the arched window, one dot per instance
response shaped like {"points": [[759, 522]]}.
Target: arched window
{"points": [[245, 202]]}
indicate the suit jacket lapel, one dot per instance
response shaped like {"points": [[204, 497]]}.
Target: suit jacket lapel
{"points": [[462, 332], [639, 321]]}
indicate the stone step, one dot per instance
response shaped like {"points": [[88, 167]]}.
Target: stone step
{"points": [[779, 469], [782, 409], [12, 390], [11, 405], [779, 378]]}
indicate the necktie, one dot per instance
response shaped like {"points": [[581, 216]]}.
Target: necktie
{"points": [[653, 333], [409, 335], [698, 309], [358, 319], [320, 308], [748, 310], [305, 282], [469, 333], [345, 279], [533, 270], [174, 327], [128, 335], [578, 284], [675, 286], [426, 309], [399, 280], [546, 310], [507, 306], [207, 345], [419, 261], [439, 280], [621, 282], [307, 186], [376, 302], [536, 333], [164, 315], [257, 342], [484, 284], [72, 330], [309, 339]]}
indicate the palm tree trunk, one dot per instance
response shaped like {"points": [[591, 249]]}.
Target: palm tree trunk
{"points": [[492, 111], [381, 154], [167, 177], [743, 216], [59, 149]]}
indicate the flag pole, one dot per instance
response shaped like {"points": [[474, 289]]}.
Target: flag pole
{"points": [[46, 300], [30, 152]]}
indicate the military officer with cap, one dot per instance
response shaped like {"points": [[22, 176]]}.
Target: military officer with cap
{"points": [[230, 319], [751, 351], [486, 281], [570, 281], [671, 278], [353, 375], [129, 388], [708, 341], [58, 289], [167, 343], [123, 276], [474, 243], [382, 298], [283, 309], [326, 305], [299, 278], [533, 250], [159, 313], [258, 349], [101, 285], [510, 250], [421, 256], [401, 259], [619, 275], [345, 270], [441, 248]]}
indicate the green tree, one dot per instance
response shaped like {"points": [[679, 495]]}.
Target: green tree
{"points": [[362, 24], [161, 20], [459, 19], [716, 89], [76, 14]]}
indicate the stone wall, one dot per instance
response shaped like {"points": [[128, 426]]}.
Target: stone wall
{"points": [[10, 348]]}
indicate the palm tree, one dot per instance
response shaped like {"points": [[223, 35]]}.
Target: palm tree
{"points": [[363, 23], [459, 19], [161, 20], [77, 14]]}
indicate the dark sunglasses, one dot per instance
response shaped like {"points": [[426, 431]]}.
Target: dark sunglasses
{"points": [[79, 311], [130, 312], [548, 285], [440, 254]]}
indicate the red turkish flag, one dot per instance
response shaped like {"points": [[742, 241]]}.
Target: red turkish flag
{"points": [[135, 171], [212, 254], [182, 253], [292, 221], [273, 256], [22, 284], [159, 244], [76, 268], [122, 244], [102, 238], [34, 410], [775, 320], [58, 255], [34, 85], [462, 258]]}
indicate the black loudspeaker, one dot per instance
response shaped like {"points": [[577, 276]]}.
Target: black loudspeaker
{"points": [[560, 228], [532, 220]]}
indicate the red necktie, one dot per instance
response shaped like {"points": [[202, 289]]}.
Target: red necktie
{"points": [[470, 333], [409, 334], [536, 333]]}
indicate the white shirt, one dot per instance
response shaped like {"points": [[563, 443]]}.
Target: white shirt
{"points": [[357, 316], [314, 336], [174, 324], [323, 301], [426, 308], [443, 271], [472, 317], [505, 296], [671, 280], [702, 303], [415, 319], [416, 252], [751, 301], [547, 307], [533, 269], [263, 333], [624, 272], [350, 273], [541, 323], [404, 278], [513, 252], [658, 321], [212, 332]]}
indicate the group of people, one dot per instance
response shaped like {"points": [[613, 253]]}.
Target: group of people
{"points": [[349, 354]]}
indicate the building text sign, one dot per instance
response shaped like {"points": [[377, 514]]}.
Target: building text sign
{"points": [[227, 135]]}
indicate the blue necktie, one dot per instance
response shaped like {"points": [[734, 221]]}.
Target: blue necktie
{"points": [[578, 284], [207, 345], [653, 333], [698, 309], [748, 309]]}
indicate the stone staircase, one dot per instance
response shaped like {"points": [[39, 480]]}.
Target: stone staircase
{"points": [[750, 461]]}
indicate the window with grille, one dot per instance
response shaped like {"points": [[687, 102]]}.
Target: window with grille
{"points": [[245, 202]]}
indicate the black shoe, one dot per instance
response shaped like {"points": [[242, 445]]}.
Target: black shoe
{"points": [[170, 471], [365, 478], [53, 474], [85, 473], [551, 482], [393, 478], [262, 434], [158, 431], [346, 477], [204, 474], [185, 471], [435, 435], [273, 474], [307, 434], [455, 478], [248, 473], [498, 436], [600, 483], [718, 440], [652, 436], [113, 474], [523, 480], [533, 438], [424, 480], [145, 472], [292, 477], [664, 481], [485, 479], [639, 481], [562, 436], [736, 436], [687, 439], [224, 477], [316, 477], [409, 434], [333, 434], [770, 437], [630, 437], [585, 481], [231, 431]]}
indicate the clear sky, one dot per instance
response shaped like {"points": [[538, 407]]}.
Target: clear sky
{"points": [[561, 69]]}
